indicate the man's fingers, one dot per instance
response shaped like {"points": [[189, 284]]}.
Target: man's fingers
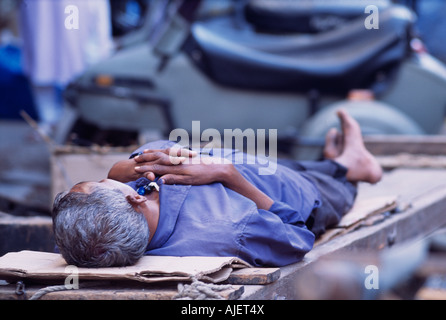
{"points": [[171, 156], [181, 152], [174, 152], [159, 158], [151, 156], [176, 160], [159, 169], [177, 179], [169, 179], [150, 175]]}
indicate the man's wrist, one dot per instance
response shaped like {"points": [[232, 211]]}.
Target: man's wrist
{"points": [[229, 175]]}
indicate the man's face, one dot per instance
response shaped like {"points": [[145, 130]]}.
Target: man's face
{"points": [[87, 187], [150, 209]]}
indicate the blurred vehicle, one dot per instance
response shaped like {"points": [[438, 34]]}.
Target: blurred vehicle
{"points": [[262, 64]]}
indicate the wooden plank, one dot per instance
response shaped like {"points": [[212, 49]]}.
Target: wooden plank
{"points": [[45, 266], [431, 294], [112, 291], [253, 276], [424, 190], [406, 160], [135, 291], [395, 144]]}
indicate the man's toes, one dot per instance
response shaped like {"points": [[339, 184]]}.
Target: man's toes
{"points": [[331, 136], [331, 149], [350, 127]]}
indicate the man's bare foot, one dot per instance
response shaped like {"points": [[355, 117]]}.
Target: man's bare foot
{"points": [[361, 164]]}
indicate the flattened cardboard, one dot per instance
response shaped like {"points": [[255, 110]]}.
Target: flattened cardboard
{"points": [[149, 269]]}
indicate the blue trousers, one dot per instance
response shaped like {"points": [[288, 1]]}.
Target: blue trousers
{"points": [[337, 193]]}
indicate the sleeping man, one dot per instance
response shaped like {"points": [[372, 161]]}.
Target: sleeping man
{"points": [[158, 204]]}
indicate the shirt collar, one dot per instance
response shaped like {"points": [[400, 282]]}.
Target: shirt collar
{"points": [[172, 198]]}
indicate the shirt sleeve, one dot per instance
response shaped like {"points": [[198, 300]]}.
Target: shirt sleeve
{"points": [[286, 213], [276, 237]]}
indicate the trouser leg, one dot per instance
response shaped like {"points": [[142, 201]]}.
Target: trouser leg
{"points": [[337, 193]]}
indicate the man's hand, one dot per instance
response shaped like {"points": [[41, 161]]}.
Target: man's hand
{"points": [[190, 171], [207, 171], [126, 170]]}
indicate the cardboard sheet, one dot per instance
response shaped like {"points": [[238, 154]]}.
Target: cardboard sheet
{"points": [[365, 208], [362, 210], [149, 269]]}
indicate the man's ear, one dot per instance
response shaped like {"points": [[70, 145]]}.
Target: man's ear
{"points": [[135, 200]]}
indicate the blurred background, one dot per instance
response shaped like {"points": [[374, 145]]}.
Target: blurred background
{"points": [[40, 57], [78, 75], [118, 73]]}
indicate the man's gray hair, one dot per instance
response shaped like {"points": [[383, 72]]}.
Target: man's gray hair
{"points": [[99, 229]]}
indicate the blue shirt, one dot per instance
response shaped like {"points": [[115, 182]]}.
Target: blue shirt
{"points": [[212, 220]]}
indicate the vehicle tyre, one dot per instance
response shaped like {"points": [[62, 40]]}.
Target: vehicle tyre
{"points": [[374, 117]]}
